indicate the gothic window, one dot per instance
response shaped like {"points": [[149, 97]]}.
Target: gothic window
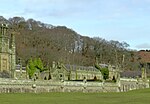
{"points": [[4, 64], [61, 75]]}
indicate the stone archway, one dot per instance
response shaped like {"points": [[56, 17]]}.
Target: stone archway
{"points": [[95, 78]]}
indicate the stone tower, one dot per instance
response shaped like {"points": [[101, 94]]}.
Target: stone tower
{"points": [[7, 51]]}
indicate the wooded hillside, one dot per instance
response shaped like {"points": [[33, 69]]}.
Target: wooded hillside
{"points": [[59, 43]]}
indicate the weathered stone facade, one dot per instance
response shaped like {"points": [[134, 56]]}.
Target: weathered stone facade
{"points": [[60, 71], [7, 51]]}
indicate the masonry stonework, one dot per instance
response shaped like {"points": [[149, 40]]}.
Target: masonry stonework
{"points": [[7, 51]]}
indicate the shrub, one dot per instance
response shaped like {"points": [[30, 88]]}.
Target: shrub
{"points": [[105, 73]]}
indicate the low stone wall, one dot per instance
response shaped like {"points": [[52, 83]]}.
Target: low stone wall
{"points": [[23, 86], [111, 87], [127, 84]]}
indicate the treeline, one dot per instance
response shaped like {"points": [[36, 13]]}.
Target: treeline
{"points": [[59, 43]]}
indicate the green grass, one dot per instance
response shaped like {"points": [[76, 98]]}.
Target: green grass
{"points": [[132, 97]]}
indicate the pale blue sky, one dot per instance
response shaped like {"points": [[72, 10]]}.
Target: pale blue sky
{"points": [[122, 20]]}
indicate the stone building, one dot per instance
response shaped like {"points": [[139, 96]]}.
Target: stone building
{"points": [[7, 51], [60, 71]]}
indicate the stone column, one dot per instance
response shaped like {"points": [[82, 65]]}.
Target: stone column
{"points": [[13, 56]]}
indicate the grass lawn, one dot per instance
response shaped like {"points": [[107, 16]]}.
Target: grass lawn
{"points": [[132, 97]]}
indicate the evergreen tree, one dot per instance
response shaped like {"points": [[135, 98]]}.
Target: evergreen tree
{"points": [[31, 68], [34, 66]]}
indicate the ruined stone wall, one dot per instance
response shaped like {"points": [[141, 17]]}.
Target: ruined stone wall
{"points": [[26, 86], [127, 84]]}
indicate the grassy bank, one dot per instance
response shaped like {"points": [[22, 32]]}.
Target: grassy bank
{"points": [[132, 97]]}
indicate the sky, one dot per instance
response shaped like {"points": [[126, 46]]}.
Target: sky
{"points": [[121, 20]]}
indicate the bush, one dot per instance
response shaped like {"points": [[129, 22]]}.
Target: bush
{"points": [[105, 73]]}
